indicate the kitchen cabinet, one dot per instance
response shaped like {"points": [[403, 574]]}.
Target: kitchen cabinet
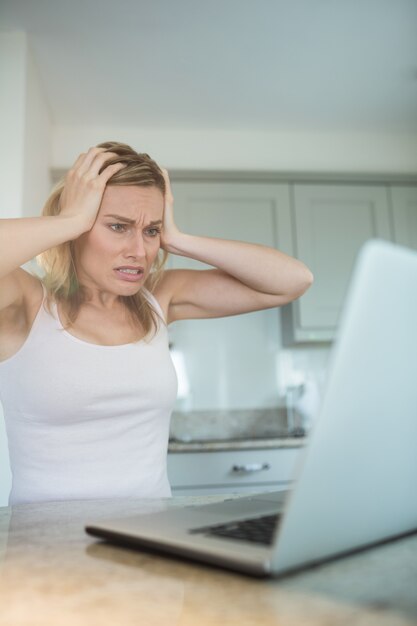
{"points": [[330, 224], [404, 215], [253, 212], [232, 471], [323, 224]]}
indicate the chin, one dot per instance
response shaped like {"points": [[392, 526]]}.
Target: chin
{"points": [[129, 290]]}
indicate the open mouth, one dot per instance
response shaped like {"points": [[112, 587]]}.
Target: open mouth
{"points": [[132, 274]]}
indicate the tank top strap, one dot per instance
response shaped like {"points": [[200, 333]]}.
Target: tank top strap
{"points": [[154, 302]]}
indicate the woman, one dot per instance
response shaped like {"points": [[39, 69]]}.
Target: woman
{"points": [[86, 379]]}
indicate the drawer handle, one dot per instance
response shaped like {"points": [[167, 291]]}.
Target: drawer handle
{"points": [[250, 468]]}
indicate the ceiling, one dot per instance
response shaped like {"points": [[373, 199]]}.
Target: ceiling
{"points": [[291, 65]]}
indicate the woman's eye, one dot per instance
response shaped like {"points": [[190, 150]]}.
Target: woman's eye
{"points": [[153, 232], [118, 228]]}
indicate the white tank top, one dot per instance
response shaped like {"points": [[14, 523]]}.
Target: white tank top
{"points": [[85, 420]]}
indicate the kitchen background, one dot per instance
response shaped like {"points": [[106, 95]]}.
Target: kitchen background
{"points": [[289, 123]]}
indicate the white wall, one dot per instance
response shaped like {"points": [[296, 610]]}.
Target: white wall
{"points": [[25, 130], [12, 90], [37, 146], [248, 150]]}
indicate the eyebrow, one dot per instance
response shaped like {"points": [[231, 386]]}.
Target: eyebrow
{"points": [[127, 220]]}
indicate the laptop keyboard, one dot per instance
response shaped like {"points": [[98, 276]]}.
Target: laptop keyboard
{"points": [[255, 530]]}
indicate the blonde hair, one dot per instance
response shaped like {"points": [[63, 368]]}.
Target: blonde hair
{"points": [[60, 277]]}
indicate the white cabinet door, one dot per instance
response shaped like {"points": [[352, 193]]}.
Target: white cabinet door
{"points": [[331, 222], [404, 211]]}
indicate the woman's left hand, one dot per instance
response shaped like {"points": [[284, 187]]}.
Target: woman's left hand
{"points": [[169, 230]]}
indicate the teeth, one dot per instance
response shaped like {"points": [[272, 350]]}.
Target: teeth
{"points": [[129, 271]]}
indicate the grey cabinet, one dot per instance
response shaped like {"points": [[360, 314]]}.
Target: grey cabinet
{"points": [[404, 215], [323, 224], [232, 471], [330, 224], [239, 211]]}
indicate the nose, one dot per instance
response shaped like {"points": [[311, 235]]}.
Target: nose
{"points": [[136, 246]]}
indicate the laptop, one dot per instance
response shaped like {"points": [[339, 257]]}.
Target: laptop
{"points": [[355, 483]]}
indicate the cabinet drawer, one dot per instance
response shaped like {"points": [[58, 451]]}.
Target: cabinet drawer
{"points": [[232, 468]]}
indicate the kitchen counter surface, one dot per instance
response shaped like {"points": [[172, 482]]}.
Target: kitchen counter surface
{"points": [[51, 572], [236, 444]]}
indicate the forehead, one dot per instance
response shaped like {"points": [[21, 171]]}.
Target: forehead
{"points": [[131, 201]]}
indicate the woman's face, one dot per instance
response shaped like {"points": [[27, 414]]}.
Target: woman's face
{"points": [[116, 255]]}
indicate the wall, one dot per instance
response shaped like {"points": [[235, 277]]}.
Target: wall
{"points": [[12, 85], [239, 363], [25, 129], [37, 147]]}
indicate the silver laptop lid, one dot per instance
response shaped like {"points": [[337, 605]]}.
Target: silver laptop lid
{"points": [[357, 481]]}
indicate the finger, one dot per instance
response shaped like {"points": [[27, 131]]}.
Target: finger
{"points": [[109, 171], [88, 158], [89, 163], [78, 161], [165, 173], [168, 191], [99, 162]]}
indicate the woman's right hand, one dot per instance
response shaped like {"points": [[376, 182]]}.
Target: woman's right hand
{"points": [[84, 186]]}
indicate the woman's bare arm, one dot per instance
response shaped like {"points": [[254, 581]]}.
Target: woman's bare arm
{"points": [[22, 239]]}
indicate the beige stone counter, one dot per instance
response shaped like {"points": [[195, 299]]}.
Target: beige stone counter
{"points": [[51, 572]]}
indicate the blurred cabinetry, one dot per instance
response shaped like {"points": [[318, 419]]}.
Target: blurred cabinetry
{"points": [[239, 211], [324, 225], [404, 211], [231, 471], [330, 224]]}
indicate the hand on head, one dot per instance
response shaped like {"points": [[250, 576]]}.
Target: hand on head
{"points": [[85, 184], [170, 230]]}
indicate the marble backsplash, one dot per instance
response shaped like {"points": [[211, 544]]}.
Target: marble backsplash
{"points": [[233, 424]]}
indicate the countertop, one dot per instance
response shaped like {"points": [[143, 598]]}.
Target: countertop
{"points": [[253, 443], [52, 573]]}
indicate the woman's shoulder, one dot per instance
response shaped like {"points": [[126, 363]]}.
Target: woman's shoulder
{"points": [[32, 293], [163, 289], [17, 320], [156, 300], [35, 292], [168, 286]]}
